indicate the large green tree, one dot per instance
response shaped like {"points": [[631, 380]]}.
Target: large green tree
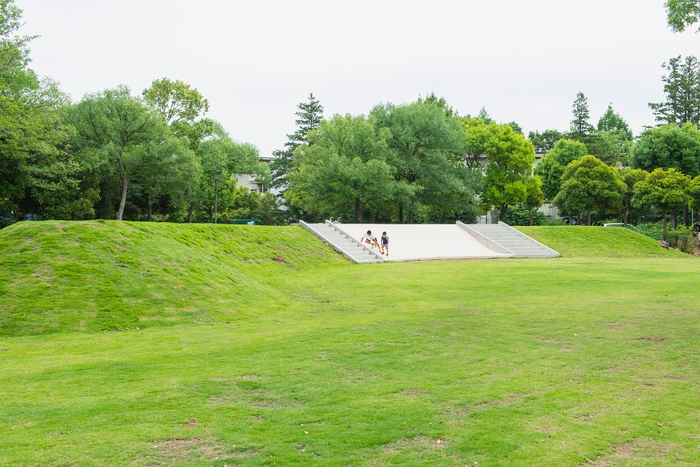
{"points": [[510, 157], [694, 193], [171, 170], [630, 177], [183, 108], [666, 190], [115, 127], [343, 172], [682, 88], [581, 127], [427, 147], [668, 146], [219, 154], [309, 115], [682, 13], [534, 198], [552, 166], [37, 173], [614, 139], [590, 184]]}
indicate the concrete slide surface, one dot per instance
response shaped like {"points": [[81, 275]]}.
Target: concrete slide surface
{"points": [[412, 242]]}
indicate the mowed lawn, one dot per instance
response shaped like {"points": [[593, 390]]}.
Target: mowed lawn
{"points": [[560, 362]]}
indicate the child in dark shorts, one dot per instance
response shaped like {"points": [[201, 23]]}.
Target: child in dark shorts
{"points": [[385, 244]]}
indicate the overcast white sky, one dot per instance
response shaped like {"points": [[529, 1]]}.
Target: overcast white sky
{"points": [[523, 61]]}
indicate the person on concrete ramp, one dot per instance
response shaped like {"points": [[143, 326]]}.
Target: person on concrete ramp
{"points": [[370, 239], [385, 244]]}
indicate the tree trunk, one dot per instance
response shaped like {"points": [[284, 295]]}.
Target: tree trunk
{"points": [[665, 222], [674, 219], [358, 211], [150, 209], [502, 213], [571, 219], [588, 214], [371, 217], [122, 201], [400, 214], [531, 214], [191, 211], [685, 217]]}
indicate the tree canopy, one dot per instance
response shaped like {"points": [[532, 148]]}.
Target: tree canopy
{"points": [[553, 164], [682, 88], [309, 115], [590, 184], [427, 143], [682, 13], [342, 171], [666, 190], [510, 158], [669, 146]]}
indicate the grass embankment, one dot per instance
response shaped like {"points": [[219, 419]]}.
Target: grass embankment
{"points": [[57, 276], [512, 362], [599, 242]]}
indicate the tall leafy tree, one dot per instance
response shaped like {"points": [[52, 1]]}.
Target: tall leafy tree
{"points": [[612, 121], [694, 193], [426, 147], [667, 190], [309, 115], [170, 171], [630, 177], [183, 108], [534, 198], [590, 184], [682, 88], [581, 127], [37, 174], [614, 138], [116, 126], [343, 170], [15, 76], [510, 157], [553, 164], [668, 146], [219, 154], [682, 13]]}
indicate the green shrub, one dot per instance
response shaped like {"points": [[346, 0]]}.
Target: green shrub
{"points": [[518, 215]]}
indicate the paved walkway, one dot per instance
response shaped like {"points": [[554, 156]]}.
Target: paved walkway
{"points": [[410, 242]]}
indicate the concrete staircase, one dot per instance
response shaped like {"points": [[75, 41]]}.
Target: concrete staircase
{"points": [[348, 246], [505, 239]]}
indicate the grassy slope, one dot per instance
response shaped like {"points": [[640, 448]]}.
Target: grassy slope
{"points": [[57, 276], [517, 362], [599, 242]]}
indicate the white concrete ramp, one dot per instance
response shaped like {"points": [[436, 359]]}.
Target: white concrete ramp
{"points": [[412, 242]]}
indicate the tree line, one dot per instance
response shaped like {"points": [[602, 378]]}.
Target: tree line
{"points": [[156, 156], [114, 154]]}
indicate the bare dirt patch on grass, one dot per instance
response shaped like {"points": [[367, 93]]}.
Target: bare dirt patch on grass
{"points": [[652, 339], [631, 452], [177, 450], [495, 403], [419, 442]]}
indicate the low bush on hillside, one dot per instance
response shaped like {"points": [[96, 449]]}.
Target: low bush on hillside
{"points": [[680, 238]]}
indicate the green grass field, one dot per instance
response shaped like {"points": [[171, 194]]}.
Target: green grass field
{"points": [[261, 346]]}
